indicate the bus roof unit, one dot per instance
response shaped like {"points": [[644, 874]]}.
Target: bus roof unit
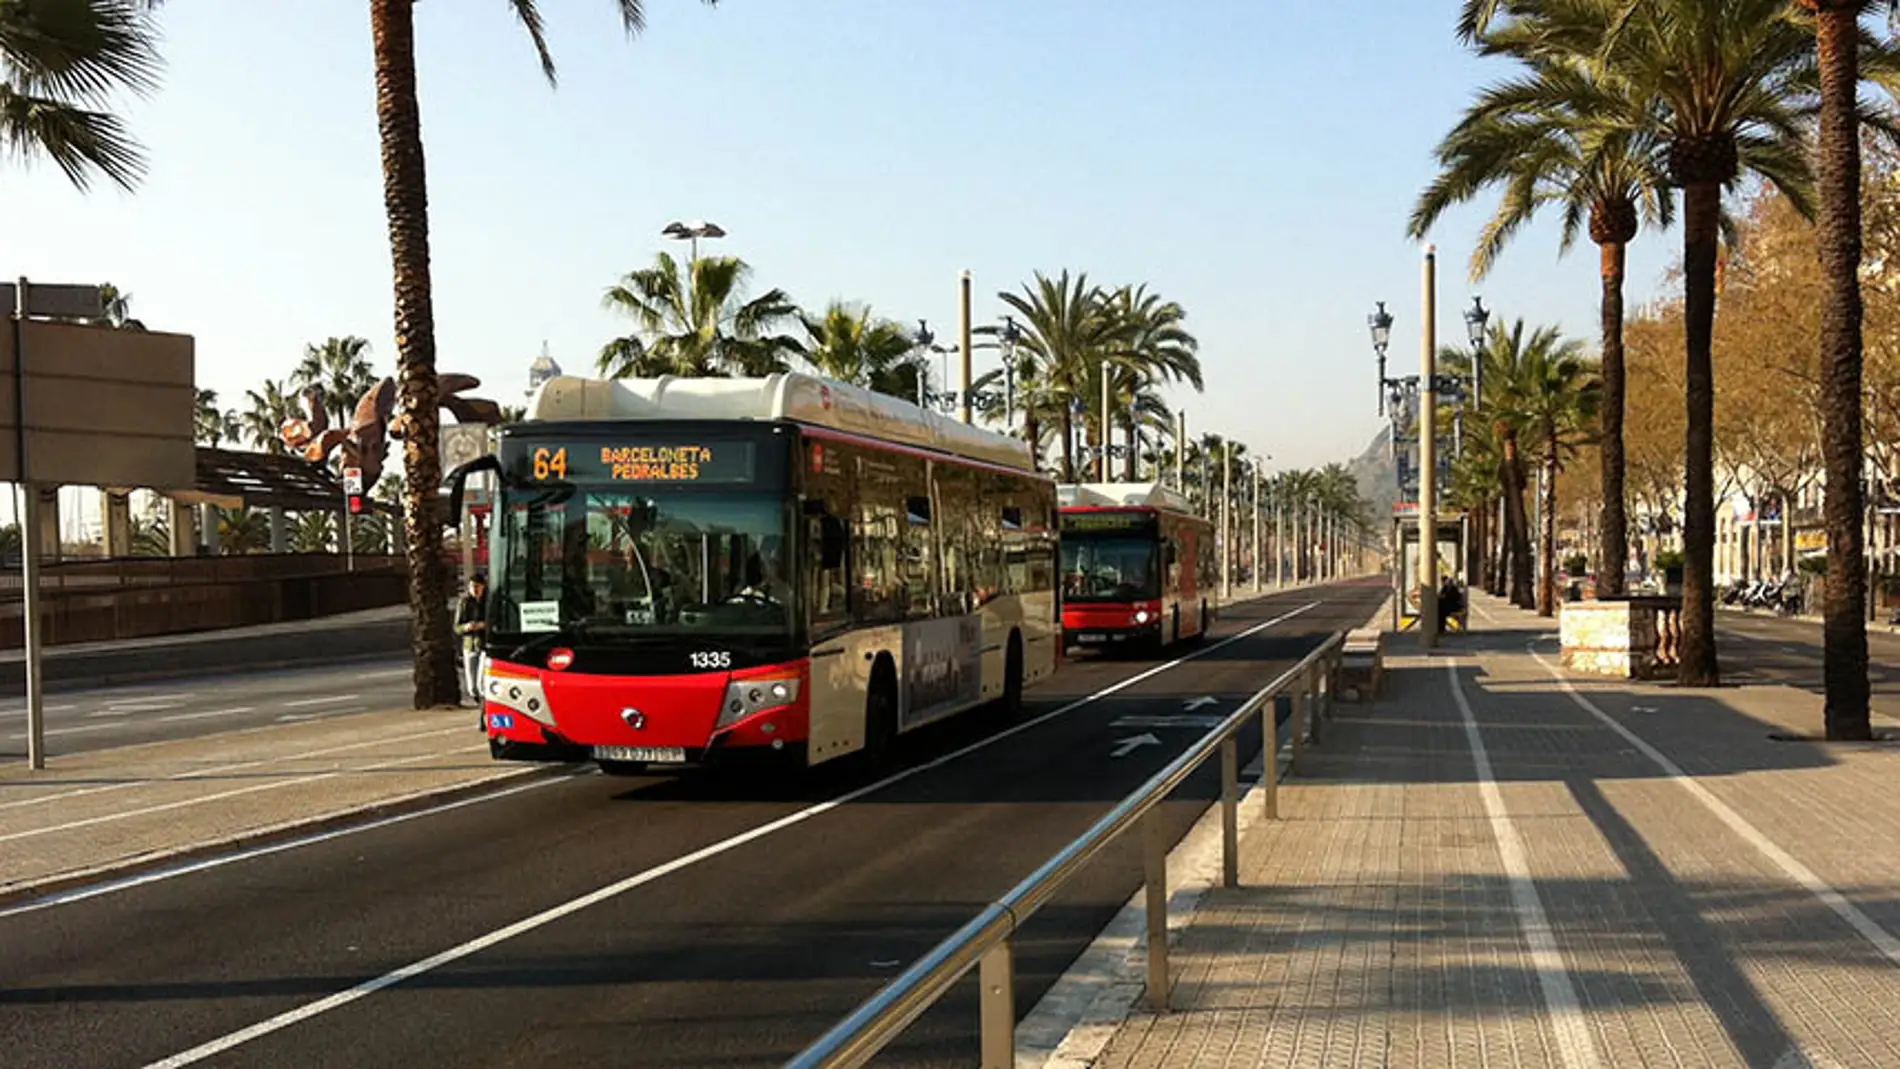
{"points": [[1122, 495], [804, 398]]}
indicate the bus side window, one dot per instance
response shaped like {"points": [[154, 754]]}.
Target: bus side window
{"points": [[957, 501]]}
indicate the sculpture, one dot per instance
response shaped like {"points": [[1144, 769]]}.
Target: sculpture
{"points": [[364, 444]]}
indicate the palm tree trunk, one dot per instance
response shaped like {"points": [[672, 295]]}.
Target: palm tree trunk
{"points": [[406, 201], [1613, 538], [1837, 159], [1547, 537], [1129, 470], [1501, 555], [1517, 527], [1702, 207]]}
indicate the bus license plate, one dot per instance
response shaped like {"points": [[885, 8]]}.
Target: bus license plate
{"points": [[1087, 637], [650, 754]]}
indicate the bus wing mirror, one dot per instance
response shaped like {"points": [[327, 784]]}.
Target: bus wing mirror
{"points": [[458, 482], [831, 536]]}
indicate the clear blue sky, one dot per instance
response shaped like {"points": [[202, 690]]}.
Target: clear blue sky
{"points": [[1254, 161]]}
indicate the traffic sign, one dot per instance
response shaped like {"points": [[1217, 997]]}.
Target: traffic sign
{"points": [[352, 480]]}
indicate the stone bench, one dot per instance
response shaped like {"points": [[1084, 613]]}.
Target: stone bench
{"points": [[1362, 665]]}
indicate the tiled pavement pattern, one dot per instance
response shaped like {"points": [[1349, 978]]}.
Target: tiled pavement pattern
{"points": [[1377, 924]]}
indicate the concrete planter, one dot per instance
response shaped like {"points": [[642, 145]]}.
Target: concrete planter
{"points": [[1624, 638]]}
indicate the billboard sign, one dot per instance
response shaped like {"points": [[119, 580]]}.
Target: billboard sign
{"points": [[105, 407]]}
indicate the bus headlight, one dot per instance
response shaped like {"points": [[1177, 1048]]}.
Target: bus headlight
{"points": [[523, 694], [1141, 617], [747, 697]]}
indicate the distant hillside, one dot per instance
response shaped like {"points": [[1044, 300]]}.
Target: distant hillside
{"points": [[1377, 476]]}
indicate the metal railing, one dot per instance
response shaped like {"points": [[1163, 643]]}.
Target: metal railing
{"points": [[986, 942]]}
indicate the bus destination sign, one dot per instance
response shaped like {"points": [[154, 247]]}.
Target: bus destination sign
{"points": [[1079, 522], [645, 462]]}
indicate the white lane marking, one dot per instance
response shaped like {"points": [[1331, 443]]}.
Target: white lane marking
{"points": [[393, 673], [233, 711], [219, 796], [293, 718], [80, 894], [1567, 1021], [548, 916], [206, 773], [20, 714], [1881, 939], [76, 730], [330, 700]]}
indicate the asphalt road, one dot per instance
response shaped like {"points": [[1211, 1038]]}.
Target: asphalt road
{"points": [[1771, 649], [101, 718], [695, 921]]}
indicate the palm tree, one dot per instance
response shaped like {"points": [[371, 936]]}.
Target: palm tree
{"points": [[340, 367], [1065, 335], [1152, 345], [1516, 400], [1554, 397], [313, 532], [264, 421], [64, 62], [851, 345], [406, 203], [1734, 83], [1845, 714], [151, 536], [117, 309], [1567, 132], [698, 326], [211, 424], [242, 531]]}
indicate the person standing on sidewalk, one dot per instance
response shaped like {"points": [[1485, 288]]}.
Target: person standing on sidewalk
{"points": [[471, 622]]}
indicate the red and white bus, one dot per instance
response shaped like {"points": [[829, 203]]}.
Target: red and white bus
{"points": [[1138, 566], [685, 571]]}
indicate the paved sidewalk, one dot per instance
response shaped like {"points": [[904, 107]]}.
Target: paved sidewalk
{"points": [[1490, 867], [94, 813]]}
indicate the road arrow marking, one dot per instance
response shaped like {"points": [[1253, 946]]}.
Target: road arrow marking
{"points": [[1130, 745], [1200, 701]]}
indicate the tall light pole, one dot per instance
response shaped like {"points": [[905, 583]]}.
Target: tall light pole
{"points": [[1257, 563], [1279, 537], [1428, 453], [1101, 463], [1226, 527], [963, 287], [1180, 452]]}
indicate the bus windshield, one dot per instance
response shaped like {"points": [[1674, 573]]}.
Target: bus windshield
{"points": [[1108, 569], [589, 560]]}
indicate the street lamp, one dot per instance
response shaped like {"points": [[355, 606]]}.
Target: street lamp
{"points": [[924, 340], [693, 231], [1009, 336], [1476, 317], [1381, 324]]}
